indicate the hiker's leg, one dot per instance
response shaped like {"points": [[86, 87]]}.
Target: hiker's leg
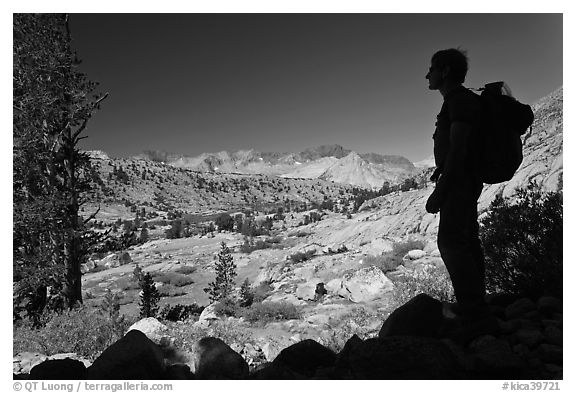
{"points": [[460, 248]]}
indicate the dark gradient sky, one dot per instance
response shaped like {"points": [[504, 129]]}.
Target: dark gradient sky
{"points": [[193, 83]]}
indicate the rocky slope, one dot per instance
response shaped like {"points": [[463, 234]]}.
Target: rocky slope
{"points": [[153, 184], [417, 341], [404, 213]]}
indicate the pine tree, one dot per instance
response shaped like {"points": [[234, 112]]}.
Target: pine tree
{"points": [[149, 297], [246, 294], [221, 288], [52, 104]]}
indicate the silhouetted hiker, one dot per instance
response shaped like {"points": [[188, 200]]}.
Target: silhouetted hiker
{"points": [[458, 185]]}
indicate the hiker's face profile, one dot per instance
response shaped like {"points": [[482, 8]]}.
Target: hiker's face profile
{"points": [[434, 77]]}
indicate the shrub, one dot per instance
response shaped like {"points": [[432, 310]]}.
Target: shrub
{"points": [[227, 307], [173, 278], [386, 262], [262, 291], [246, 294], [169, 290], [249, 245], [225, 222], [431, 280], [522, 240], [84, 331], [186, 269], [302, 256], [299, 234], [137, 273], [359, 321], [179, 312], [271, 311], [390, 260], [402, 248], [186, 335]]}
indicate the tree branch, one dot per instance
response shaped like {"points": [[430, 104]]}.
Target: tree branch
{"points": [[92, 216]]}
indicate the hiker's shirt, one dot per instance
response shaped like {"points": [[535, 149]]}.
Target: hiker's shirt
{"points": [[460, 105]]}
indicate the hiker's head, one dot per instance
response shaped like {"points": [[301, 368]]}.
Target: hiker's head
{"points": [[447, 65]]}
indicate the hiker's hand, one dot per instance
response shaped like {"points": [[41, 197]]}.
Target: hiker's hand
{"points": [[433, 203]]}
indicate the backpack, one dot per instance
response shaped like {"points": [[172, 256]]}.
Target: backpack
{"points": [[505, 121]]}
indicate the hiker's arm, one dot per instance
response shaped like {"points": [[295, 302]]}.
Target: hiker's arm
{"points": [[460, 134]]}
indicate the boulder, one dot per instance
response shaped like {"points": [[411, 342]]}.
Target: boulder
{"points": [[270, 350], [334, 287], [431, 247], [402, 357], [110, 261], [529, 337], [90, 265], [519, 308], [208, 314], [270, 273], [494, 359], [307, 290], [318, 319], [134, 356], [549, 305], [152, 328], [116, 259], [305, 358], [65, 369], [23, 362], [179, 371], [305, 272], [420, 316], [366, 284], [212, 358], [415, 254], [378, 246]]}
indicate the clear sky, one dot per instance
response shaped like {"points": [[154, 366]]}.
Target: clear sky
{"points": [[193, 83]]}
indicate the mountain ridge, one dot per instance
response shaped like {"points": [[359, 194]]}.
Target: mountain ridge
{"points": [[370, 170]]}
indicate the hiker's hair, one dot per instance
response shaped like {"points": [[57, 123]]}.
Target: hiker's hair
{"points": [[456, 59]]}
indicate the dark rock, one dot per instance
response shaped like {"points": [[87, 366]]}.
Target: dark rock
{"points": [[178, 371], [519, 308], [342, 363], [403, 357], [214, 359], [420, 316], [501, 299], [552, 322], [271, 371], [553, 335], [134, 356], [549, 305], [524, 323], [550, 353], [508, 327], [494, 359], [530, 337], [497, 311], [305, 358], [555, 371], [66, 369]]}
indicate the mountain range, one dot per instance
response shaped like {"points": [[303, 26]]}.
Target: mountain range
{"points": [[326, 162]]}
